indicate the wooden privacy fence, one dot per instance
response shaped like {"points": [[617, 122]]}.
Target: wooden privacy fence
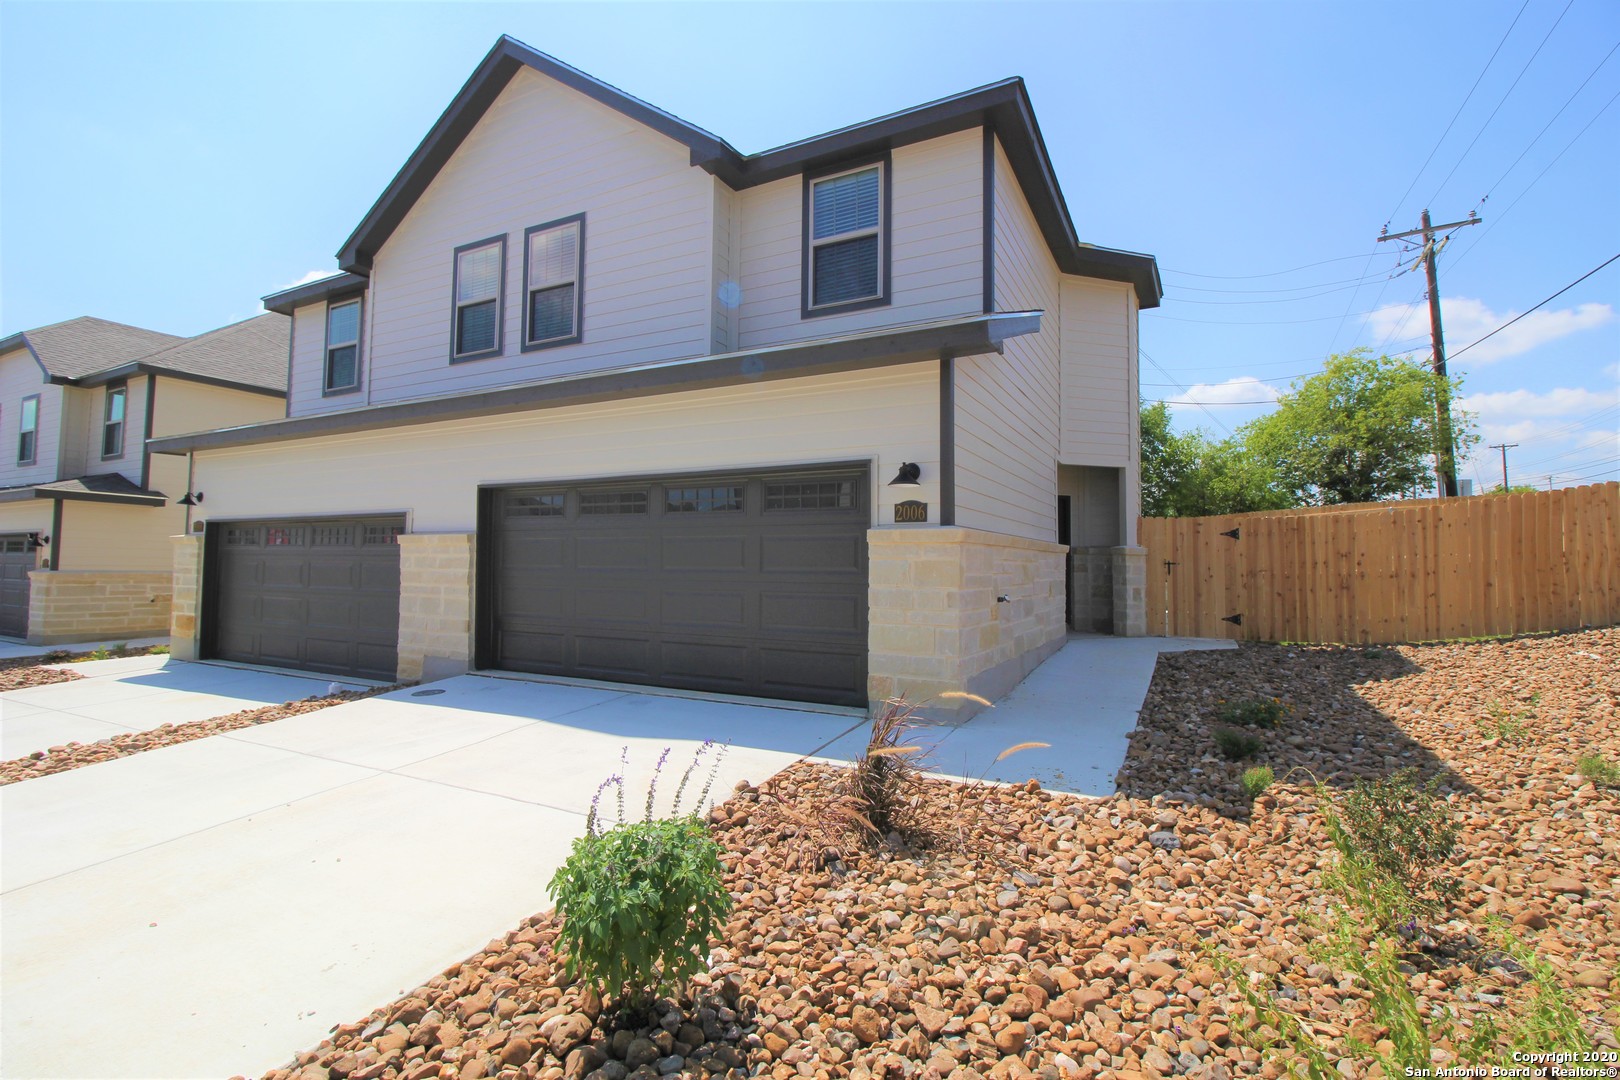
{"points": [[1390, 572]]}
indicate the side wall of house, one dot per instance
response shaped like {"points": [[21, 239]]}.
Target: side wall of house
{"points": [[1007, 407], [91, 422], [21, 377], [936, 264]]}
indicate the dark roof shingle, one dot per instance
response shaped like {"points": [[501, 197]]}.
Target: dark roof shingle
{"points": [[250, 353], [78, 347]]}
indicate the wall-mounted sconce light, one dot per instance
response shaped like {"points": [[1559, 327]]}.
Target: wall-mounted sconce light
{"points": [[908, 476], [35, 540], [191, 498]]}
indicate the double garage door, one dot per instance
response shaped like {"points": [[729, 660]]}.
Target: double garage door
{"points": [[16, 560], [752, 583]]}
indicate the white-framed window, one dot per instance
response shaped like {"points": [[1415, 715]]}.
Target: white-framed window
{"points": [[112, 422], [553, 282], [342, 371], [28, 430], [846, 239], [480, 278]]}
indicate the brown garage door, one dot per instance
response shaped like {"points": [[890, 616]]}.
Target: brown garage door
{"points": [[319, 595], [749, 584], [16, 560]]}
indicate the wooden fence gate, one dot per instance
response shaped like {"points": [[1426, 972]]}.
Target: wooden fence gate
{"points": [[1416, 570]]}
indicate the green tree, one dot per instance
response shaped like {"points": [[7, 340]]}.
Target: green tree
{"points": [[1192, 475], [1361, 430]]}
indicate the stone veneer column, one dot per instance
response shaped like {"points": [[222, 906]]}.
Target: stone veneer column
{"points": [[436, 573], [1130, 591], [936, 625], [183, 610]]}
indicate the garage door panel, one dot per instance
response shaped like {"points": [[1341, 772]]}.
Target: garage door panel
{"points": [[323, 596], [747, 584]]}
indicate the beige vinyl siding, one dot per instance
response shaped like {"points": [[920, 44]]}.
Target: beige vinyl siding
{"points": [[1007, 407], [432, 471], [1099, 399], [26, 516], [92, 405], [936, 235], [106, 536], [183, 407], [542, 152], [307, 374], [75, 456], [20, 377]]}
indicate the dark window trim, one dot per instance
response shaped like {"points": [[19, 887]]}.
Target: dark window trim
{"points": [[579, 287], [989, 238], [885, 232], [106, 420], [500, 300], [22, 411], [326, 353]]}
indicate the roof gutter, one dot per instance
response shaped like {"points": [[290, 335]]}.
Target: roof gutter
{"points": [[967, 336]]}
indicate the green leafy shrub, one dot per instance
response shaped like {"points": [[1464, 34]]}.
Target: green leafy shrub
{"points": [[641, 901], [1508, 725], [1403, 832], [1235, 744], [1598, 769], [1256, 780], [1265, 713], [100, 653]]}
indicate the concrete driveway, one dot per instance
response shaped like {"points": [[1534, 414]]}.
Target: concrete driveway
{"points": [[208, 908], [137, 693]]}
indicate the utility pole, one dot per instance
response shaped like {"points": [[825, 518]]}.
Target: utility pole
{"points": [[1505, 447], [1445, 456]]}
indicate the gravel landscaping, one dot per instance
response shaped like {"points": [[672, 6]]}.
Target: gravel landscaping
{"points": [[74, 755], [29, 671], [1030, 932]]}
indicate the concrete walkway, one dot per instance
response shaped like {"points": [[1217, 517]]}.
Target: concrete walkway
{"points": [[138, 693], [220, 904]]}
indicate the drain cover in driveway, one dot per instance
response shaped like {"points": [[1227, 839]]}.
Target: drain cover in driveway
{"points": [[426, 693]]}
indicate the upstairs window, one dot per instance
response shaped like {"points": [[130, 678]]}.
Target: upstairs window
{"points": [[846, 240], [551, 283], [342, 347], [112, 423], [479, 279], [28, 430]]}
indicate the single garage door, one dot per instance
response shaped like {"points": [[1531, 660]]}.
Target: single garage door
{"points": [[319, 595], [749, 584], [16, 560]]}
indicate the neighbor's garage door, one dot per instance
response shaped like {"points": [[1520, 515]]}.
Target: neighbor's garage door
{"points": [[16, 560], [749, 584], [317, 595]]}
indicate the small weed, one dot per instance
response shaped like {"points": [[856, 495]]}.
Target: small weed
{"points": [[1265, 713], [1256, 780], [1235, 744], [1507, 725], [1395, 831], [1599, 769], [100, 653], [159, 650]]}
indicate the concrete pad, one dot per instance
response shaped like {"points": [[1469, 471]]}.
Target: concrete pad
{"points": [[1084, 701], [137, 693], [303, 872], [17, 649]]}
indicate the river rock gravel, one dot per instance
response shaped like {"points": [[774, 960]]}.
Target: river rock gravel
{"points": [[1030, 932]]}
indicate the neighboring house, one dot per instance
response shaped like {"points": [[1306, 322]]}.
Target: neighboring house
{"points": [[595, 395], [86, 513]]}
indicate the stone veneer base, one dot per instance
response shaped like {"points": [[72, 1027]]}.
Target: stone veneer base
{"points": [[93, 605]]}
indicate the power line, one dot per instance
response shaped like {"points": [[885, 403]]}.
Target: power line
{"points": [[1544, 303], [1263, 322], [1280, 288], [1252, 277], [1160, 369], [1279, 300], [1436, 196]]}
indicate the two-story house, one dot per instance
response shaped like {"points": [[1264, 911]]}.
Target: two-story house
{"points": [[86, 511], [595, 395]]}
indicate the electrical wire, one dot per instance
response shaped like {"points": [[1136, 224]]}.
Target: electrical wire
{"points": [[1280, 288], [1254, 277], [1436, 196], [1160, 369], [1279, 300], [1262, 322], [1544, 303]]}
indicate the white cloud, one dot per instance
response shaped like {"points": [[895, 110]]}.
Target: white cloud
{"points": [[313, 275], [1467, 320], [1562, 433], [1243, 390]]}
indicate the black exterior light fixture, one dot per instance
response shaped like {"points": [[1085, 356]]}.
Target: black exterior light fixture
{"points": [[908, 476], [191, 498], [35, 541]]}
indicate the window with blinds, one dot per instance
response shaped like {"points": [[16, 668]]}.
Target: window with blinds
{"points": [[112, 422], [845, 234], [551, 282], [480, 269]]}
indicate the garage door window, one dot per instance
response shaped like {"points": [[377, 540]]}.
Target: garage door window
{"points": [[592, 503], [702, 500], [810, 495], [548, 504]]}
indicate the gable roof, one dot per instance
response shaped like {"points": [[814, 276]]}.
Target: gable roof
{"points": [[249, 355], [1003, 107], [69, 350]]}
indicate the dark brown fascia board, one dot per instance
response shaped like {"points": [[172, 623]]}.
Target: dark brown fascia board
{"points": [[1003, 106], [330, 288], [20, 341], [968, 336], [477, 95], [101, 497], [130, 370]]}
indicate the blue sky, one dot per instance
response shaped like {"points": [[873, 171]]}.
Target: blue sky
{"points": [[167, 164]]}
